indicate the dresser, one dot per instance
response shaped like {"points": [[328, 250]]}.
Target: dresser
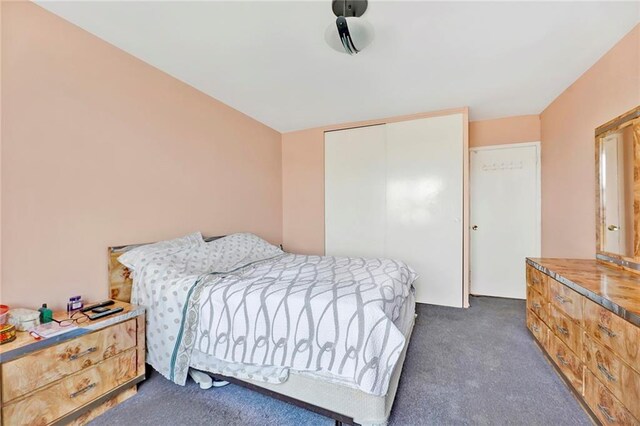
{"points": [[586, 318], [73, 377]]}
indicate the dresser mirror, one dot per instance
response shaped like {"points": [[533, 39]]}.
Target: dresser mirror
{"points": [[618, 190]]}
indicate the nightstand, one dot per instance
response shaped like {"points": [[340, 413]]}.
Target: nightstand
{"points": [[75, 376]]}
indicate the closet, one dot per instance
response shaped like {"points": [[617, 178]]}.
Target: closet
{"points": [[397, 190]]}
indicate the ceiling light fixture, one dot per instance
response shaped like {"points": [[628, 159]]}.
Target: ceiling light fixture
{"points": [[350, 33]]}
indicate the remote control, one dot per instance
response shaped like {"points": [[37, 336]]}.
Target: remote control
{"points": [[104, 314], [97, 305]]}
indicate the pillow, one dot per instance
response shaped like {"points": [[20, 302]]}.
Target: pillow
{"points": [[237, 250], [134, 257]]}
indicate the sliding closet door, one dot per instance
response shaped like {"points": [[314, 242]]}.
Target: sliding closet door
{"points": [[355, 192], [396, 191], [424, 219]]}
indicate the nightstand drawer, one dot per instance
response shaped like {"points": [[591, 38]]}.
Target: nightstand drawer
{"points": [[40, 368], [63, 397]]}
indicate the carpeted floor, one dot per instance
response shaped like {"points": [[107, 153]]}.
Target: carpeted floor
{"points": [[464, 366]]}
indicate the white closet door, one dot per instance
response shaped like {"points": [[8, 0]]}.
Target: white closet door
{"points": [[355, 192], [425, 204]]}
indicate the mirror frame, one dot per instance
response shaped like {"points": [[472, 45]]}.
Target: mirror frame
{"points": [[630, 263]]}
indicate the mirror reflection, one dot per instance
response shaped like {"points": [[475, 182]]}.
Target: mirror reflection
{"points": [[616, 166]]}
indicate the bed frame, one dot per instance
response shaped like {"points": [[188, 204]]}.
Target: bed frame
{"points": [[356, 407]]}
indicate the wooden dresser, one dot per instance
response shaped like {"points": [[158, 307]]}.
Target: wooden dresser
{"points": [[76, 376], [586, 317]]}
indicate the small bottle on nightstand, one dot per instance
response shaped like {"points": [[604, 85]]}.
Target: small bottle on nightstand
{"points": [[46, 314]]}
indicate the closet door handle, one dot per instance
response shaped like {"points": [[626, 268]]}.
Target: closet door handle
{"points": [[474, 227]]}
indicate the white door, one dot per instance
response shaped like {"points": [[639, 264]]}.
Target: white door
{"points": [[505, 217], [354, 194], [424, 204]]}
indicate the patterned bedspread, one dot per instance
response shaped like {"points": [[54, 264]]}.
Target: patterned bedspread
{"points": [[243, 300]]}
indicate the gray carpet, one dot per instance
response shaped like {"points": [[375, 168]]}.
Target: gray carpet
{"points": [[464, 366]]}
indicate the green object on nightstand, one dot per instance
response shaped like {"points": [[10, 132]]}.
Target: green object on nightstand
{"points": [[46, 314]]}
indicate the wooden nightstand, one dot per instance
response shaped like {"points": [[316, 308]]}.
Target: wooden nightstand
{"points": [[76, 376]]}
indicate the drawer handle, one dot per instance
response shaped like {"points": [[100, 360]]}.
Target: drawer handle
{"points": [[562, 330], [83, 353], [83, 390], [536, 305], [535, 328], [606, 413], [562, 299], [606, 330], [606, 373], [562, 360]]}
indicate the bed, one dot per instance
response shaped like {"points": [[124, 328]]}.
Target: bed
{"points": [[329, 334]]}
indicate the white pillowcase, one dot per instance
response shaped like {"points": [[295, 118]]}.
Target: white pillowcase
{"points": [[134, 258]]}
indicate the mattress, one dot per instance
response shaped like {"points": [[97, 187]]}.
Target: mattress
{"points": [[332, 393]]}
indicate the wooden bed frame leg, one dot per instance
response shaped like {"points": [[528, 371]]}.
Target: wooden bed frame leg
{"points": [[338, 423]]}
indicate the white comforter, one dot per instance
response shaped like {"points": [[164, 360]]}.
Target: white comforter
{"points": [[243, 300]]}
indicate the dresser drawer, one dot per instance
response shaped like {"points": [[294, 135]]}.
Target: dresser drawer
{"points": [[538, 329], [568, 362], [538, 281], [538, 304], [604, 405], [40, 368], [567, 330], [620, 379], [565, 299], [620, 336], [62, 397]]}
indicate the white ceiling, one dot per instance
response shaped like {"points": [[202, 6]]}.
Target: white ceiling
{"points": [[270, 61]]}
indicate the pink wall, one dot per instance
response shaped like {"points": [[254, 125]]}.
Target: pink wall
{"points": [[303, 191], [517, 129], [608, 89], [101, 149]]}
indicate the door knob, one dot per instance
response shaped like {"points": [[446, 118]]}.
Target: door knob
{"points": [[474, 227], [612, 228]]}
